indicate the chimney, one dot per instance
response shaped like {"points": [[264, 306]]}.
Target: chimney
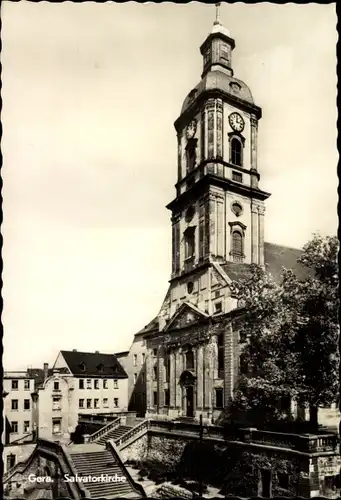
{"points": [[74, 350], [46, 371], [96, 352]]}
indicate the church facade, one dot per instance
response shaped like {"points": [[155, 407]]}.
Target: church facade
{"points": [[192, 348]]}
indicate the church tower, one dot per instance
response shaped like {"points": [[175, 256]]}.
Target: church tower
{"points": [[218, 212]]}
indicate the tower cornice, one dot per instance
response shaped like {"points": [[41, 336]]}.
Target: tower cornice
{"points": [[200, 187], [197, 104]]}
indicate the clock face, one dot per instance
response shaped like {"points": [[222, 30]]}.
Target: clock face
{"points": [[236, 122], [191, 129]]}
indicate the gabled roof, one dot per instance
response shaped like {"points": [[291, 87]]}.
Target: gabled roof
{"points": [[275, 258], [38, 375], [90, 364], [185, 316], [153, 325]]}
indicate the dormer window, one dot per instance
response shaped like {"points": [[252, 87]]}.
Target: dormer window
{"points": [[82, 367], [100, 368]]}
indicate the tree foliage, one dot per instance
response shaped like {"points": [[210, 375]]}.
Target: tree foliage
{"points": [[291, 331]]}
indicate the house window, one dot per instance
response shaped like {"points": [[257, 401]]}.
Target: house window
{"points": [[189, 360], [237, 177], [218, 307], [115, 384], [88, 403], [11, 460], [105, 383], [81, 403], [26, 404], [237, 247], [143, 357], [88, 384], [135, 359], [81, 383], [96, 384], [189, 242], [15, 385], [236, 152], [219, 399], [56, 403], [56, 386], [14, 404], [154, 373], [116, 402], [105, 403], [82, 367], [135, 378], [264, 489], [27, 385], [283, 480], [154, 353], [26, 426], [56, 425], [166, 397], [155, 398], [96, 403], [14, 426]]}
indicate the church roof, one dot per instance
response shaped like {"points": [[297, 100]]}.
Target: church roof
{"points": [[153, 325], [93, 364], [275, 257], [217, 80]]}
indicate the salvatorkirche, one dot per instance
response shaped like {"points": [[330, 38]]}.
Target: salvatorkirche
{"points": [[218, 218]]}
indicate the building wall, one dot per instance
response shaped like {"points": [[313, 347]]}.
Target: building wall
{"points": [[68, 407], [135, 367], [21, 394], [20, 452]]}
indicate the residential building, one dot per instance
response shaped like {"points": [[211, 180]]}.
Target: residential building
{"points": [[81, 383], [18, 387]]}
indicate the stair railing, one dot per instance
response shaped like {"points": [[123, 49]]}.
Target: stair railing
{"points": [[131, 433], [103, 430], [111, 446]]}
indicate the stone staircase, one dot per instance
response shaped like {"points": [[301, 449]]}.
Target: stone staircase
{"points": [[113, 434], [93, 460]]}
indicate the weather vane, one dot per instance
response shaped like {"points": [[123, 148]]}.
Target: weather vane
{"points": [[217, 12]]}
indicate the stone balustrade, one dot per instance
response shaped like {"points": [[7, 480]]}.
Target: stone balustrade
{"points": [[103, 430]]}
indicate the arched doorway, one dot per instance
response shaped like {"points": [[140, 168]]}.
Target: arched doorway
{"points": [[188, 383]]}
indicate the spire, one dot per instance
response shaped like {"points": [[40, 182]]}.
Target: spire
{"points": [[217, 13]]}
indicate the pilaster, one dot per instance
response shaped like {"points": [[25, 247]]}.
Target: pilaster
{"points": [[172, 380], [160, 379], [228, 365], [200, 381], [254, 234], [178, 369], [261, 212]]}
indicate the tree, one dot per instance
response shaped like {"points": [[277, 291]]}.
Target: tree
{"points": [[291, 331]]}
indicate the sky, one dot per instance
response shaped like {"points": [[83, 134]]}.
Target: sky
{"points": [[90, 94]]}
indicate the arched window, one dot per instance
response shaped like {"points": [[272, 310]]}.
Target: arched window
{"points": [[189, 242], [189, 360], [237, 246], [236, 152]]}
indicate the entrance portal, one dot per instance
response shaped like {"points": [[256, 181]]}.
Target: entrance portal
{"points": [[189, 401]]}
